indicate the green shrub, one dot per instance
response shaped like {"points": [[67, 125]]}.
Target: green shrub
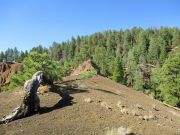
{"points": [[88, 74], [33, 63]]}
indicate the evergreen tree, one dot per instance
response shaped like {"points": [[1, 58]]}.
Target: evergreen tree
{"points": [[100, 59], [16, 54], [72, 48], [21, 56], [118, 73], [143, 43], [119, 42], [130, 68], [127, 42], [176, 37], [9, 54], [40, 49], [56, 52], [2, 56], [138, 80], [154, 51], [167, 80]]}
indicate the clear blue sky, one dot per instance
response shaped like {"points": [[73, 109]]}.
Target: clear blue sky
{"points": [[28, 23]]}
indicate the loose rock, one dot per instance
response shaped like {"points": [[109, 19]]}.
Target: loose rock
{"points": [[124, 111], [146, 117], [88, 100], [120, 105], [155, 107], [104, 104], [125, 131], [135, 113], [139, 106]]}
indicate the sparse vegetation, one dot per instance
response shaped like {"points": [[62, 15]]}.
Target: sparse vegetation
{"points": [[88, 74]]}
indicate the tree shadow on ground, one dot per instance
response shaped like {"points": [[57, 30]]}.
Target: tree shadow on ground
{"points": [[64, 93], [107, 91], [65, 98]]}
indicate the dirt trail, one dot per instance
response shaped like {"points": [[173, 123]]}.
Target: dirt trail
{"points": [[91, 107]]}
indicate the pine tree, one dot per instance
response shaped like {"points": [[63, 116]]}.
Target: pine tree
{"points": [[176, 37], [100, 59], [118, 73], [127, 42], [138, 80], [130, 68], [55, 51], [72, 48], [119, 42], [143, 44], [2, 56], [21, 56], [154, 51], [16, 54], [167, 80]]}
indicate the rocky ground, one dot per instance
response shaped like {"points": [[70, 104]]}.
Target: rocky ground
{"points": [[95, 106]]}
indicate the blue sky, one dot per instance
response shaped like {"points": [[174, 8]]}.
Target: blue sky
{"points": [[28, 23]]}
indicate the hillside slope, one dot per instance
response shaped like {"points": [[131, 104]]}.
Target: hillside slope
{"points": [[89, 107]]}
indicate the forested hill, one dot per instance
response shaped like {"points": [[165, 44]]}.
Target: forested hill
{"points": [[129, 57], [145, 59]]}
